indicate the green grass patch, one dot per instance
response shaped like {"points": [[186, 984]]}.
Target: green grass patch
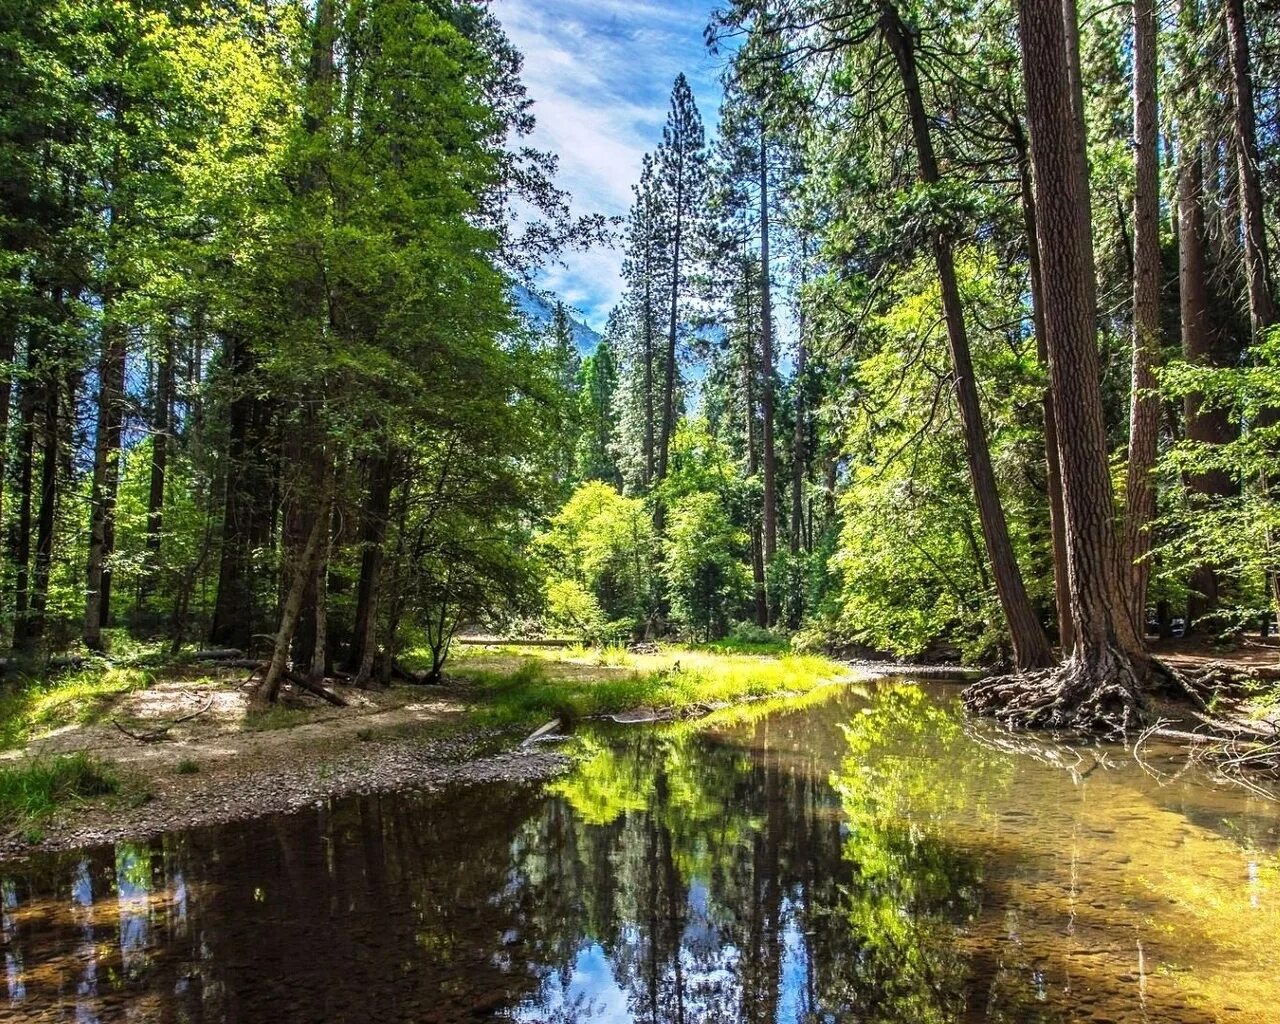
{"points": [[277, 716], [536, 685], [32, 791], [187, 767], [34, 707]]}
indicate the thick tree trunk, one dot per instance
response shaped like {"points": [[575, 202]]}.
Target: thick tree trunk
{"points": [[1052, 457], [1030, 645], [106, 474], [1144, 402], [1107, 646], [770, 454]]}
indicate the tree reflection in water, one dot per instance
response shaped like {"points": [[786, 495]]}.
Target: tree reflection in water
{"points": [[848, 860]]}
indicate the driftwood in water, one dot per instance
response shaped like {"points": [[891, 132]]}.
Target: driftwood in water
{"points": [[542, 732]]}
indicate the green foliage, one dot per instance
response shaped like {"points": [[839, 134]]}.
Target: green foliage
{"points": [[705, 576], [910, 555], [598, 551], [1234, 531]]}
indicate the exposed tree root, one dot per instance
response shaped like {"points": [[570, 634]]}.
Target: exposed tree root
{"points": [[1114, 696], [1101, 695]]}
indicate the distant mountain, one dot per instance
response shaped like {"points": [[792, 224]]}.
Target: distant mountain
{"points": [[538, 310]]}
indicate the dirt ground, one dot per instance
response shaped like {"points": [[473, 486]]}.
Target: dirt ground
{"points": [[223, 765]]}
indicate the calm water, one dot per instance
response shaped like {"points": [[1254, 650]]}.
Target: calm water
{"points": [[862, 856]]}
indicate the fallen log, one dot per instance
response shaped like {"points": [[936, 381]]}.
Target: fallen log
{"points": [[219, 654], [303, 683]]}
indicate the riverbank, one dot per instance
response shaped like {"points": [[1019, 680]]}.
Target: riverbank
{"points": [[216, 760]]}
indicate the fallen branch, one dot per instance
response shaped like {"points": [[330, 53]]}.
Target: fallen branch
{"points": [[161, 733]]}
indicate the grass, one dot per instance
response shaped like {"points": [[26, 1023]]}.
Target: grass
{"points": [[277, 716], [530, 686], [32, 708], [31, 792], [187, 766]]}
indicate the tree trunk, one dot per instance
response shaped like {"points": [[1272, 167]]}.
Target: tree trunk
{"points": [[647, 313], [373, 532], [798, 452], [270, 687], [1052, 457], [1262, 306], [246, 519], [1030, 645], [320, 587], [1107, 648], [106, 473], [759, 587], [669, 369], [20, 527], [1144, 402], [1203, 342], [8, 351], [159, 466], [47, 518], [766, 368]]}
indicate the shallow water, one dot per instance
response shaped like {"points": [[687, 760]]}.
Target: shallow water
{"points": [[861, 855]]}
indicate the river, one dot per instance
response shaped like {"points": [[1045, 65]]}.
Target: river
{"points": [[863, 854]]}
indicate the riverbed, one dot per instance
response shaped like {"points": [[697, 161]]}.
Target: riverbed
{"points": [[864, 853]]}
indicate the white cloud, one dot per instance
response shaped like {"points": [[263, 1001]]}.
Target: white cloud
{"points": [[600, 73]]}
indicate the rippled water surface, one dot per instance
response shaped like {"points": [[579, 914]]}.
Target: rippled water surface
{"points": [[864, 855]]}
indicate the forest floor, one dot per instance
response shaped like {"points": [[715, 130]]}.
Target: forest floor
{"points": [[221, 760]]}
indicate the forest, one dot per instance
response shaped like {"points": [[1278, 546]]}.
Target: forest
{"points": [[951, 332]]}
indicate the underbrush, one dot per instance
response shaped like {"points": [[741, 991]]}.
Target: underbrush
{"points": [[31, 792], [32, 707], [531, 687]]}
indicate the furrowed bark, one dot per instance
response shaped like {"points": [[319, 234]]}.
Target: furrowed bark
{"points": [[1144, 402]]}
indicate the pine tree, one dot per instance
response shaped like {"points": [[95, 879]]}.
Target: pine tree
{"points": [[681, 186]]}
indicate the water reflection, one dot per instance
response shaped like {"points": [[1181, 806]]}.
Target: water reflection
{"points": [[863, 856]]}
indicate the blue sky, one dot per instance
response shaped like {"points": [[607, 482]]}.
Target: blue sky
{"points": [[600, 74]]}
